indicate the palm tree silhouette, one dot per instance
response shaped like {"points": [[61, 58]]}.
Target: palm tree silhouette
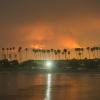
{"points": [[63, 57], [69, 55], [82, 50], [3, 53], [52, 54], [43, 54], [33, 50], [10, 55], [97, 51], [48, 54], [26, 50], [19, 51], [65, 52], [88, 49], [37, 54], [76, 52], [80, 54], [59, 52], [14, 54], [92, 51], [55, 52], [7, 52]]}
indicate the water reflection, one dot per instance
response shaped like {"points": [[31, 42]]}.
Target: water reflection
{"points": [[48, 88], [42, 86]]}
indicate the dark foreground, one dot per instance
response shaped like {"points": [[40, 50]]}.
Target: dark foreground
{"points": [[86, 65], [27, 85]]}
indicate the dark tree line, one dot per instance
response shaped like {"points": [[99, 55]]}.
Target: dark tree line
{"points": [[54, 54]]}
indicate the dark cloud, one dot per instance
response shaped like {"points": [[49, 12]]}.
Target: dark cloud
{"points": [[31, 10]]}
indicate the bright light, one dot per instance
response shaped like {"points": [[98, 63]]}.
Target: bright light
{"points": [[49, 64], [48, 90]]}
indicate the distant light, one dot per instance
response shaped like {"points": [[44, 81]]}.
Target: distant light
{"points": [[49, 64]]}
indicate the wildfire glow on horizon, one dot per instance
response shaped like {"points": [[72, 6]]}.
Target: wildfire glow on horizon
{"points": [[44, 36]]}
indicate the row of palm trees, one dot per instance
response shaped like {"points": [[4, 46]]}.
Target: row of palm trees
{"points": [[54, 54], [93, 52], [51, 54], [10, 53]]}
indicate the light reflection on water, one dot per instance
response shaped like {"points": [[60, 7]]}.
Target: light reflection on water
{"points": [[48, 88], [58, 86]]}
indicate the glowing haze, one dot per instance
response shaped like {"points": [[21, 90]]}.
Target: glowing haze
{"points": [[49, 23]]}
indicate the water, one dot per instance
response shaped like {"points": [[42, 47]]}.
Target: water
{"points": [[47, 86]]}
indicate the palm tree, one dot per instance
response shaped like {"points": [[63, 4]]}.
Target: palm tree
{"points": [[19, 51], [10, 54], [65, 52], [59, 52], [63, 55], [82, 50], [97, 51], [33, 50], [3, 53], [48, 54], [40, 54], [69, 55], [52, 52], [92, 51], [14, 54], [37, 54], [76, 51], [43, 54], [80, 54], [88, 49], [55, 52], [26, 50], [7, 52]]}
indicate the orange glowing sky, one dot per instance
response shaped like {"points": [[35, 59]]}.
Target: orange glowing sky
{"points": [[50, 23]]}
